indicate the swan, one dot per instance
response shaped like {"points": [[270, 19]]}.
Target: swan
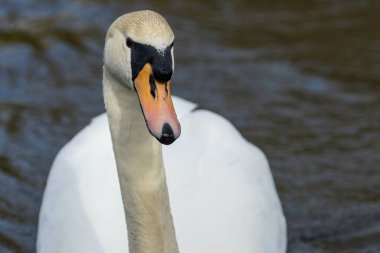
{"points": [[108, 189]]}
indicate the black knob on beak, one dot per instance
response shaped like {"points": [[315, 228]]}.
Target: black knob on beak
{"points": [[162, 74], [163, 66]]}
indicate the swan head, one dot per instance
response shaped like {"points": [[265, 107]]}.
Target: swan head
{"points": [[139, 55]]}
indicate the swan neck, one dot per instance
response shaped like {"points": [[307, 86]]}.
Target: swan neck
{"points": [[141, 172]]}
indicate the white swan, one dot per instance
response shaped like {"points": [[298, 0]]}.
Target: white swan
{"points": [[222, 194]]}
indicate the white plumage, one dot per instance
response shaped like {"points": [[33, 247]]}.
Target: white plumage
{"points": [[221, 191]]}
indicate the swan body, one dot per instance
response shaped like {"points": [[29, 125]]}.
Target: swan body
{"points": [[222, 195]]}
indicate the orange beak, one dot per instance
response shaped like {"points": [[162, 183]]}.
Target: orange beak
{"points": [[157, 106]]}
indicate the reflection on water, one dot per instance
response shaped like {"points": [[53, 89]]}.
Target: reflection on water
{"points": [[301, 80]]}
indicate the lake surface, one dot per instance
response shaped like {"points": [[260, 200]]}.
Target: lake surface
{"points": [[299, 79]]}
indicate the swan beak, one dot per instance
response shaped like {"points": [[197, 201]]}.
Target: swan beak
{"points": [[157, 106]]}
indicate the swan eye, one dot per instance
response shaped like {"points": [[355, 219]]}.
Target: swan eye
{"points": [[129, 42]]}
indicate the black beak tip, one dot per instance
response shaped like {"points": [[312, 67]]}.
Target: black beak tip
{"points": [[167, 135]]}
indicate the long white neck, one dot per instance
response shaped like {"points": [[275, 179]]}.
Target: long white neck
{"points": [[141, 172]]}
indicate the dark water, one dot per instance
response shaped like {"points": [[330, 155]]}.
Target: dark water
{"points": [[301, 79]]}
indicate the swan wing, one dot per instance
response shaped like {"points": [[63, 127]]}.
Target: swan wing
{"points": [[82, 208], [222, 191], [222, 194]]}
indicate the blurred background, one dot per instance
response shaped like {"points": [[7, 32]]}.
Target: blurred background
{"points": [[300, 79]]}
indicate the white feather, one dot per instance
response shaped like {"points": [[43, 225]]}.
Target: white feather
{"points": [[221, 192]]}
